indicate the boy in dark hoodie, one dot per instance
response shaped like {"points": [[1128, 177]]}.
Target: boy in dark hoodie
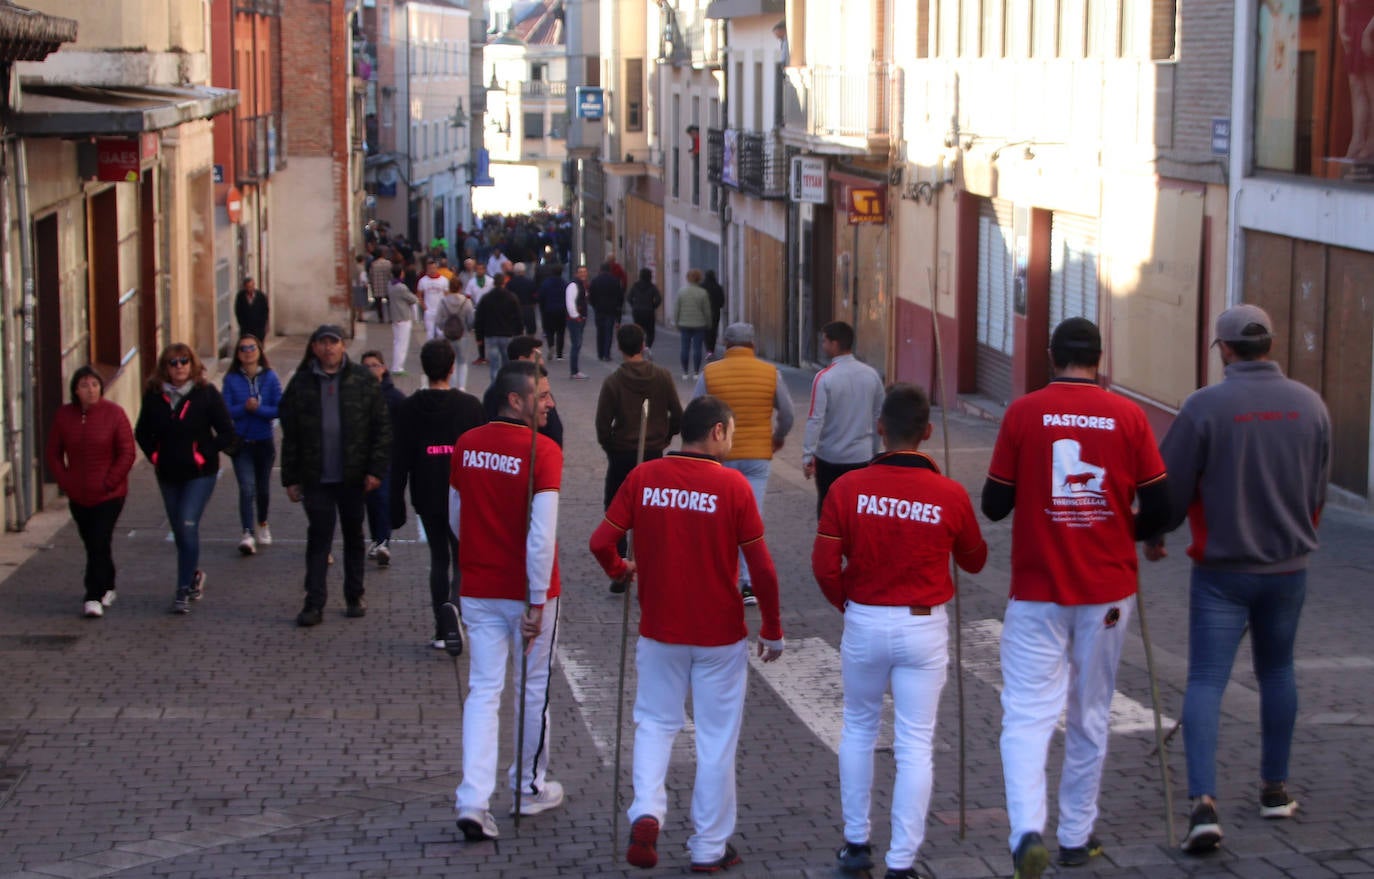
{"points": [[618, 411], [426, 425]]}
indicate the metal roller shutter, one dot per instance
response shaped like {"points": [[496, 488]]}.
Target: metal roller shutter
{"points": [[1073, 268], [995, 269]]}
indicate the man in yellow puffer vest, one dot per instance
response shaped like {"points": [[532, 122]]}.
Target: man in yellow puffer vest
{"points": [[754, 390]]}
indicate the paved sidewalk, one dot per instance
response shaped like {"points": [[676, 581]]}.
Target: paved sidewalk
{"points": [[231, 743]]}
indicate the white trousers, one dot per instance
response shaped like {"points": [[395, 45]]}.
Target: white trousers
{"points": [[400, 345], [493, 626], [1056, 657], [717, 677], [431, 315], [889, 647]]}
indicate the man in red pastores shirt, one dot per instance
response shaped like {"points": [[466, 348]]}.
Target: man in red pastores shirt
{"points": [[508, 559], [690, 518], [881, 556]]}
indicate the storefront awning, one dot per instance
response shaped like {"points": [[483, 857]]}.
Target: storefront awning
{"points": [[80, 110]]}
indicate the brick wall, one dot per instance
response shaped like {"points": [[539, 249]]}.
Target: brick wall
{"points": [[1202, 88], [316, 66]]}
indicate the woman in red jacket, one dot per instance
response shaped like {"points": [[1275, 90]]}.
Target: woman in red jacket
{"points": [[90, 451]]}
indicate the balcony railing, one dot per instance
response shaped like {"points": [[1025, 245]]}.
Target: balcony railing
{"points": [[261, 147], [762, 165], [703, 42], [842, 102], [539, 88], [751, 162]]}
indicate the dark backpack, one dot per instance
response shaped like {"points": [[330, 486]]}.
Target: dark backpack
{"points": [[454, 328]]}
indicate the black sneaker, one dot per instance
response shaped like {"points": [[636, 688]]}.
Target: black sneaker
{"points": [[855, 856], [747, 593], [906, 873], [724, 862], [1030, 858], [451, 624], [311, 616], [356, 609], [618, 587], [182, 604], [1275, 801], [1079, 855], [1204, 831]]}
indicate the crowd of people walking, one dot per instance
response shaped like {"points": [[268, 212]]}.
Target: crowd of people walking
{"points": [[1077, 467]]}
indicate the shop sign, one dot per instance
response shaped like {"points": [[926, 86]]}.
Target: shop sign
{"points": [[808, 179], [867, 204], [591, 103], [117, 160]]}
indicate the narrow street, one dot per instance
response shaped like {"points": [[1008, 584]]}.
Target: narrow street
{"points": [[232, 743]]}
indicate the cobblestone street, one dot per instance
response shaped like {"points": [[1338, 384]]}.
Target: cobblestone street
{"points": [[232, 743]]}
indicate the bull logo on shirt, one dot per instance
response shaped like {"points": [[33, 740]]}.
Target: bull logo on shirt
{"points": [[1072, 476]]}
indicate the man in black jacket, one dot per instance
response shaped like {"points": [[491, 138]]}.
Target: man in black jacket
{"points": [[606, 296], [251, 310], [498, 320], [335, 447], [427, 423], [522, 285]]}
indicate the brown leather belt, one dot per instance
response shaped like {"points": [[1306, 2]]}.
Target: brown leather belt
{"points": [[920, 610]]}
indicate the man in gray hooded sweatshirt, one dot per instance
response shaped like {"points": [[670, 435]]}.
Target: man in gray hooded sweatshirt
{"points": [[1248, 462]]}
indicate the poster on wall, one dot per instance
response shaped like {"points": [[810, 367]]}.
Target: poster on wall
{"points": [[729, 160], [1276, 85]]}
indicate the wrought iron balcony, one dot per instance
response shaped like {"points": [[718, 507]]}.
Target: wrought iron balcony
{"points": [[260, 148], [752, 162]]}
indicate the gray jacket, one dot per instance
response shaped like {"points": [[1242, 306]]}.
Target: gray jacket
{"points": [[1248, 462], [841, 427], [400, 305]]}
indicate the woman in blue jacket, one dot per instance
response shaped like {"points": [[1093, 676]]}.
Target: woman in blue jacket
{"points": [[252, 392]]}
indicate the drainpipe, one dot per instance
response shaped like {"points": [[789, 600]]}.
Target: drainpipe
{"points": [[724, 207], [24, 466]]}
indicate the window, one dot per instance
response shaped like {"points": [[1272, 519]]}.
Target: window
{"points": [[677, 145], [696, 152], [558, 125], [1307, 114], [534, 125], [634, 94]]}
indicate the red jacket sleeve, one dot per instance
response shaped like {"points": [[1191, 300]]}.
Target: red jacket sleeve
{"points": [[124, 452], [603, 546], [827, 555], [970, 549], [765, 582]]}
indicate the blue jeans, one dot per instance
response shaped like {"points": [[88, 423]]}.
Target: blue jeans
{"points": [[496, 354], [379, 510], [575, 328], [253, 470], [693, 340], [185, 504], [1222, 604], [756, 471]]}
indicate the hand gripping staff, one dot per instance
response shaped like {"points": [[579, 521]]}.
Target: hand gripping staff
{"points": [[624, 639], [525, 652], [958, 609]]}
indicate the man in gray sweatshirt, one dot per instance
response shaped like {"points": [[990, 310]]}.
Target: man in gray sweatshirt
{"points": [[842, 421], [1248, 462]]}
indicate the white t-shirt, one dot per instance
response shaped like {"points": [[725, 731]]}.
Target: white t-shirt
{"points": [[494, 264], [432, 290], [476, 292]]}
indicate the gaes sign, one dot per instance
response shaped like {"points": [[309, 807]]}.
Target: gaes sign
{"points": [[866, 204], [117, 160]]}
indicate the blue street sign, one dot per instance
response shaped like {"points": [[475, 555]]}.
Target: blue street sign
{"points": [[591, 103]]}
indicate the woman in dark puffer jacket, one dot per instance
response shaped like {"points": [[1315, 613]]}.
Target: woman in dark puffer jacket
{"points": [[182, 428], [90, 452]]}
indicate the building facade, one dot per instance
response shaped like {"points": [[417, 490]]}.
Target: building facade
{"points": [[118, 210]]}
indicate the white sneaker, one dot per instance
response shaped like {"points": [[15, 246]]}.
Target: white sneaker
{"points": [[477, 825], [686, 376], [551, 797], [93, 609], [108, 598], [248, 546], [372, 549], [438, 644], [264, 534]]}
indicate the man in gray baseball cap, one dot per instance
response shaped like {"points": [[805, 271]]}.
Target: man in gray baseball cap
{"points": [[1248, 459]]}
